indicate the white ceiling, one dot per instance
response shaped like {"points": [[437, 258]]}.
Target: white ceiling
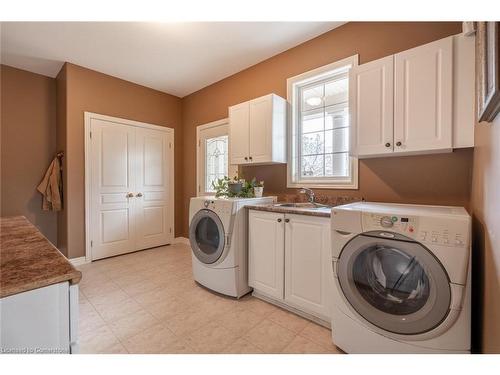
{"points": [[177, 58]]}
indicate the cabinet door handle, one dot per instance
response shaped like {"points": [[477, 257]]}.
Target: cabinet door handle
{"points": [[139, 195], [398, 144], [387, 144], [130, 195], [246, 158], [279, 220], [250, 158], [287, 220]]}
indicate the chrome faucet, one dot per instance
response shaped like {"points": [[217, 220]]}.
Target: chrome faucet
{"points": [[310, 194]]}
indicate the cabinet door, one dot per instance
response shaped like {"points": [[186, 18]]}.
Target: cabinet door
{"points": [[266, 252], [371, 95], [238, 133], [154, 179], [308, 271], [36, 321], [423, 97], [260, 138]]}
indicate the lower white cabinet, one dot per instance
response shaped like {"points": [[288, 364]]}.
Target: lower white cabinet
{"points": [[266, 252], [289, 260], [43, 320], [308, 274]]}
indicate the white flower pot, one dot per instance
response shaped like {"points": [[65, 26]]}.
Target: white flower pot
{"points": [[258, 190]]}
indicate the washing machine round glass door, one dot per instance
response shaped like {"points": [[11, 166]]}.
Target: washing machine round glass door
{"points": [[394, 283], [207, 237]]}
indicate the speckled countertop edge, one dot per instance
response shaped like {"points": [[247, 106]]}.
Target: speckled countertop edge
{"points": [[28, 260], [289, 210]]}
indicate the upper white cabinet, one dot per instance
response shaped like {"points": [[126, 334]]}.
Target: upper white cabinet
{"points": [[423, 83], [257, 131], [417, 101], [238, 133], [372, 89]]}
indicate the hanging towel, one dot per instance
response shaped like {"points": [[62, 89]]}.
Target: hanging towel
{"points": [[51, 187]]}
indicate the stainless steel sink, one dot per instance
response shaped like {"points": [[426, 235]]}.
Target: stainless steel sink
{"points": [[308, 206]]}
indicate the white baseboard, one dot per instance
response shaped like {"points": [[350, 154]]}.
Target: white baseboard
{"points": [[78, 261], [182, 240]]}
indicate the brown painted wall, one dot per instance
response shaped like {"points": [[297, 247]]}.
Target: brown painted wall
{"points": [[432, 179], [485, 203], [88, 90], [28, 143]]}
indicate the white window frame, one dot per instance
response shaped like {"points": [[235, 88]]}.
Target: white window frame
{"points": [[293, 166], [200, 167]]}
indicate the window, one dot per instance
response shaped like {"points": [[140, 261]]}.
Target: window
{"points": [[319, 130], [212, 155], [216, 159]]}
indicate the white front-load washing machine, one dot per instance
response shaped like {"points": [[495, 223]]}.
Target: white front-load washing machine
{"points": [[218, 238], [401, 278]]}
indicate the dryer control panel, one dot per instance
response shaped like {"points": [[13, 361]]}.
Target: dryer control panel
{"points": [[429, 230], [406, 225]]}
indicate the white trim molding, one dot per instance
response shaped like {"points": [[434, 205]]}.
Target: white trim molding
{"points": [[78, 261], [181, 240], [293, 85]]}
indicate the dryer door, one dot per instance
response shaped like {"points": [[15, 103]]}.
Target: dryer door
{"points": [[394, 283], [207, 237]]}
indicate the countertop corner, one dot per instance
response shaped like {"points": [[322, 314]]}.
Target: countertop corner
{"points": [[28, 260]]}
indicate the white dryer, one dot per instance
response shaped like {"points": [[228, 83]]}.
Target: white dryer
{"points": [[402, 278], [218, 238]]}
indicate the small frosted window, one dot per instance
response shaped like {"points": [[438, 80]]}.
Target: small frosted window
{"points": [[216, 159]]}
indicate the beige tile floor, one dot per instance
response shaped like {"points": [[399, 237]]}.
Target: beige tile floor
{"points": [[147, 302]]}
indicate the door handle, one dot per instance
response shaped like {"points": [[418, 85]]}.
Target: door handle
{"points": [[287, 220], [139, 195], [388, 144], [398, 144], [250, 158], [246, 157], [130, 195], [279, 220]]}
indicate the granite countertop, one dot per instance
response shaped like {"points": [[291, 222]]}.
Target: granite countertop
{"points": [[28, 260], [323, 212]]}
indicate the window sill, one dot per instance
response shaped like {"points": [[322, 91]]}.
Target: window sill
{"points": [[316, 185]]}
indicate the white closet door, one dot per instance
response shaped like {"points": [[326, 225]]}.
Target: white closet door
{"points": [[112, 183], [154, 175]]}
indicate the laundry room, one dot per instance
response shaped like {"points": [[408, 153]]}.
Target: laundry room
{"points": [[248, 187]]}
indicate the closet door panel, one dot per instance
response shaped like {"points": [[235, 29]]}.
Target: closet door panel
{"points": [[112, 180], [154, 166]]}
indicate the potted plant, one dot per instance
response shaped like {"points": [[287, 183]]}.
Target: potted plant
{"points": [[235, 185], [258, 189]]}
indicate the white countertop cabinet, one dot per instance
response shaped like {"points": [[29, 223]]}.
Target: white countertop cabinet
{"points": [[289, 261], [40, 321]]}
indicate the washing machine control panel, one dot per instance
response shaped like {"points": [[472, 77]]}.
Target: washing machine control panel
{"points": [[433, 231]]}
